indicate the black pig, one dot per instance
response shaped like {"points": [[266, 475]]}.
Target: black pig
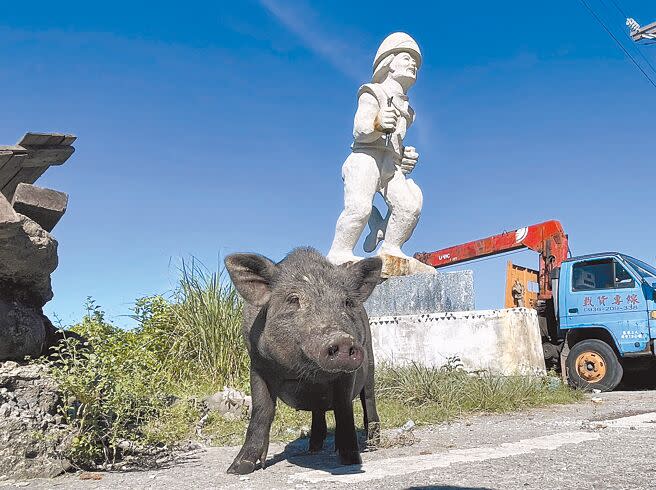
{"points": [[309, 341]]}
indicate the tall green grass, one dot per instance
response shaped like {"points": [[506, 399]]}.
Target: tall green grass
{"points": [[206, 328]]}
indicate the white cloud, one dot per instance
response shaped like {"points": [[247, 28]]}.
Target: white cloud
{"points": [[345, 56]]}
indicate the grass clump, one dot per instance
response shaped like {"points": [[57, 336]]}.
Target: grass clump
{"points": [[430, 395], [198, 332]]}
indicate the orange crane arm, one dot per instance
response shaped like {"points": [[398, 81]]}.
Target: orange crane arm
{"points": [[548, 239]]}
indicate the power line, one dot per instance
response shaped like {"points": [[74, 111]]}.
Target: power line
{"points": [[617, 6], [624, 16], [610, 33]]}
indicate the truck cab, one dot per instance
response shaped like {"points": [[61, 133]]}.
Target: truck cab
{"points": [[606, 310]]}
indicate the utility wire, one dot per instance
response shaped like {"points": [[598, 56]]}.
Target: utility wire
{"points": [[617, 6], [636, 48], [610, 33]]}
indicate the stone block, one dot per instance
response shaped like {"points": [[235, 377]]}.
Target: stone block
{"points": [[500, 342], [9, 220], [22, 331], [27, 258], [44, 206], [422, 293], [33, 440]]}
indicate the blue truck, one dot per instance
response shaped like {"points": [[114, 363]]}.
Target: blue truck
{"points": [[606, 309], [597, 313]]}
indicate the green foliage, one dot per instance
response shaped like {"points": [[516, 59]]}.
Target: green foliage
{"points": [[112, 384], [142, 385], [198, 333]]}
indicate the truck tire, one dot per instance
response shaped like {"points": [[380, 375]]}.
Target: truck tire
{"points": [[593, 364]]}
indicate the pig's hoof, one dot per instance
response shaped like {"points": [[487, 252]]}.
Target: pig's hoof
{"points": [[349, 457], [241, 467]]}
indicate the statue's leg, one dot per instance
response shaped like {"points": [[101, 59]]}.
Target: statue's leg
{"points": [[361, 176], [405, 200]]}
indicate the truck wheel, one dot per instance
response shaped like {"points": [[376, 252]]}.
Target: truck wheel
{"points": [[592, 364]]}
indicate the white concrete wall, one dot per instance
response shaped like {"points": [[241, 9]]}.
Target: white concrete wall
{"points": [[503, 342]]}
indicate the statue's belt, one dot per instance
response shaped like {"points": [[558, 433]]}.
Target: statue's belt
{"points": [[377, 146]]}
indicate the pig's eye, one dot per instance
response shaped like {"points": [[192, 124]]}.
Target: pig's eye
{"points": [[349, 303], [294, 300]]}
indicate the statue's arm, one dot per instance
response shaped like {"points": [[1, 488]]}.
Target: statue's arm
{"points": [[365, 118]]}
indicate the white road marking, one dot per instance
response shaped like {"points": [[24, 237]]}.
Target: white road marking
{"points": [[642, 421], [376, 470]]}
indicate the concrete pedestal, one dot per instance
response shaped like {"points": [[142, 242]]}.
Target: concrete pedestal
{"points": [[500, 342], [422, 293]]}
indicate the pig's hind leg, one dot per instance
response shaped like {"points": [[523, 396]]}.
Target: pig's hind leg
{"points": [[371, 418], [319, 431]]}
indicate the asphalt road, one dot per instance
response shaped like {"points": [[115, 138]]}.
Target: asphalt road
{"points": [[608, 442]]}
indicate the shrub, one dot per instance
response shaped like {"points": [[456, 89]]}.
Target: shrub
{"points": [[121, 384], [112, 384]]}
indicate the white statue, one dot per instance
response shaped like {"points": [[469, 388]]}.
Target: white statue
{"points": [[379, 161]]}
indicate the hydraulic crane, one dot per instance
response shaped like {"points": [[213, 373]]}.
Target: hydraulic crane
{"points": [[548, 239]]}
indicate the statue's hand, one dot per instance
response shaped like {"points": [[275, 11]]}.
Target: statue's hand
{"points": [[410, 157], [386, 120]]}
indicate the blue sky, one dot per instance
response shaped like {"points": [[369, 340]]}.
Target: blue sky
{"points": [[212, 127]]}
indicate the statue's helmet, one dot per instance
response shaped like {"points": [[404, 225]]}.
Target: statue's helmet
{"points": [[396, 42]]}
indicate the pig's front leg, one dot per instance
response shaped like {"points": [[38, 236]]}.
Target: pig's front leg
{"points": [[346, 439], [319, 430], [256, 444]]}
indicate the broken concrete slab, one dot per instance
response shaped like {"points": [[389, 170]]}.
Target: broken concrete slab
{"points": [[422, 293], [27, 259], [45, 206], [31, 157], [9, 220], [28, 253], [499, 342], [23, 331]]}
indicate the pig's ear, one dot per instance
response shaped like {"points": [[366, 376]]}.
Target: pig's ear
{"points": [[366, 275], [252, 275]]}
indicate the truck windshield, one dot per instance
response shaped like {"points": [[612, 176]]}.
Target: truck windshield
{"points": [[644, 269]]}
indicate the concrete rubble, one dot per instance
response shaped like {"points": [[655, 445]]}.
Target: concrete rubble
{"points": [[28, 252], [230, 403], [33, 438]]}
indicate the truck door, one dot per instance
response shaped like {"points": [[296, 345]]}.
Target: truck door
{"points": [[603, 293]]}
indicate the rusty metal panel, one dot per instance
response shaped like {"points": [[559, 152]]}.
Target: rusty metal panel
{"points": [[527, 280]]}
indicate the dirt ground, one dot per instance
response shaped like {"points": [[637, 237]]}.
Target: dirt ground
{"points": [[607, 441]]}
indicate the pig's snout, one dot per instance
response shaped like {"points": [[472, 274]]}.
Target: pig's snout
{"points": [[342, 354]]}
